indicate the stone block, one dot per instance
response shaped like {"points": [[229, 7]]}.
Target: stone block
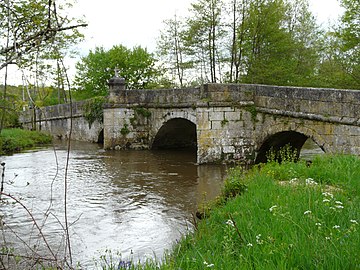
{"points": [[216, 116], [228, 149]]}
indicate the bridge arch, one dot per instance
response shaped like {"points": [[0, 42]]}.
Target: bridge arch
{"points": [[176, 133], [279, 136]]}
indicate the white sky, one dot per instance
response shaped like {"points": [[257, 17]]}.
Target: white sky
{"points": [[138, 22]]}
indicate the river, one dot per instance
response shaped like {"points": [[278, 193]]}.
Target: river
{"points": [[133, 203]]}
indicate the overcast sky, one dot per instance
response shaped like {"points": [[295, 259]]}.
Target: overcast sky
{"points": [[138, 22]]}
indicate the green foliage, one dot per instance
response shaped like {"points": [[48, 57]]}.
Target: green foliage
{"points": [[288, 224], [263, 42], [15, 140], [284, 154], [93, 110], [125, 130], [142, 112], [136, 65], [253, 111], [233, 185]]}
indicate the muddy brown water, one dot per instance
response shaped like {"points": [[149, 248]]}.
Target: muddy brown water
{"points": [[134, 203]]}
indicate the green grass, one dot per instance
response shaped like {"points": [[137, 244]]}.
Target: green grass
{"points": [[291, 216], [15, 140]]}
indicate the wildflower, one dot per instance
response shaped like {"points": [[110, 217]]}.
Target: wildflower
{"points": [[354, 221], [249, 245], [272, 208], [310, 182], [338, 202], [336, 227], [258, 239], [339, 206], [307, 212], [326, 200], [327, 238], [294, 180], [124, 265], [328, 194], [318, 224], [208, 265], [230, 223]]}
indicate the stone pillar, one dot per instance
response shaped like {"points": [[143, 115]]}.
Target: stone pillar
{"points": [[116, 86]]}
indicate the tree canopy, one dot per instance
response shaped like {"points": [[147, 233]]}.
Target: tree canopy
{"points": [[261, 41], [136, 65]]}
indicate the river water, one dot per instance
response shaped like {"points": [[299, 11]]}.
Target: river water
{"points": [[135, 203]]}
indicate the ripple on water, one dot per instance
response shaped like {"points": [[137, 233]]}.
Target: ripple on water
{"points": [[134, 202]]}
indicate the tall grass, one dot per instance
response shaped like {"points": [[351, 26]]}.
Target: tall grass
{"points": [[291, 216], [15, 140]]}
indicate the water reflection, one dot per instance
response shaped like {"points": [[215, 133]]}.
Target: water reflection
{"points": [[134, 202]]}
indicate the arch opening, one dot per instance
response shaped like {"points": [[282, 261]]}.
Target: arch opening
{"points": [[294, 140], [100, 139], [177, 133]]}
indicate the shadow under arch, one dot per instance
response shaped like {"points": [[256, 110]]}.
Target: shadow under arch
{"points": [[176, 133], [279, 140], [100, 139]]}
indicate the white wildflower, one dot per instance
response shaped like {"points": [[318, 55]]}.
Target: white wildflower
{"points": [[294, 180], [249, 245], [208, 265], [318, 224], [338, 202], [327, 238], [336, 227], [230, 223], [272, 208], [328, 194], [354, 221], [307, 212], [339, 206], [258, 239], [326, 200], [310, 182]]}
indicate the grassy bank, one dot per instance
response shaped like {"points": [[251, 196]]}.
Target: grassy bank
{"points": [[291, 216], [15, 140], [288, 216]]}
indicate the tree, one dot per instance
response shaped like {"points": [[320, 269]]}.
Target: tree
{"points": [[171, 50], [203, 38], [30, 26], [306, 42], [238, 13], [33, 32], [268, 46], [136, 65], [349, 36]]}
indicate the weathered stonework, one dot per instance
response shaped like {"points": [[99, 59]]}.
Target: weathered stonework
{"points": [[226, 122], [58, 119]]}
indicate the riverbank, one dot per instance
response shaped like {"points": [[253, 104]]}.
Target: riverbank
{"points": [[16, 140], [288, 216], [291, 216]]}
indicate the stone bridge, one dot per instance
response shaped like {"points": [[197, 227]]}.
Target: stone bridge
{"points": [[225, 122]]}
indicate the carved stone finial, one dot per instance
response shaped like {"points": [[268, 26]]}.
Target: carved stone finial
{"points": [[116, 72]]}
